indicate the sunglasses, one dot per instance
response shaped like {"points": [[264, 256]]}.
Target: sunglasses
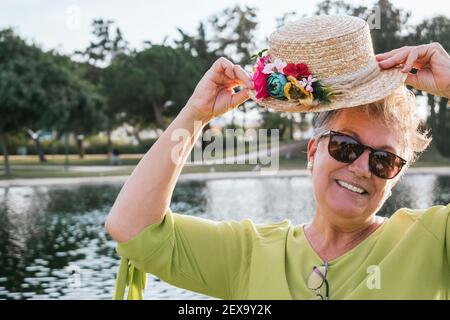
{"points": [[318, 279], [344, 148]]}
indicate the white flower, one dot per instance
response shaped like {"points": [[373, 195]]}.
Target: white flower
{"points": [[277, 64], [307, 83]]}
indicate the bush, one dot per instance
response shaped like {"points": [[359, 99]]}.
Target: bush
{"points": [[91, 146]]}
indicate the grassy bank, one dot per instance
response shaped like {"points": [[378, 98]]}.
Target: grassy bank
{"points": [[29, 167]]}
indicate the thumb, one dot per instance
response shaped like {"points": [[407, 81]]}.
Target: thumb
{"points": [[412, 80], [239, 98]]}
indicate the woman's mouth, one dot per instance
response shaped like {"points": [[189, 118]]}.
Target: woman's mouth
{"points": [[350, 187]]}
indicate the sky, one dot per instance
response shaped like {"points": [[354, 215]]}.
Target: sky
{"points": [[65, 25]]}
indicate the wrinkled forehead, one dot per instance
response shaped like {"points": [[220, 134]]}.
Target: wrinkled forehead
{"points": [[375, 132]]}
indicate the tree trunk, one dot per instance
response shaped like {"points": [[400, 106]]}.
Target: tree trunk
{"points": [[438, 126], [137, 136], [80, 147], [443, 131], [109, 143], [244, 122], [232, 117], [432, 120], [158, 116], [282, 131], [39, 150], [4, 144]]}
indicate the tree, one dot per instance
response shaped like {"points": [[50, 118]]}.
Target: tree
{"points": [[107, 45], [152, 84], [394, 21], [83, 111], [234, 37], [436, 29], [275, 120], [32, 87], [199, 46]]}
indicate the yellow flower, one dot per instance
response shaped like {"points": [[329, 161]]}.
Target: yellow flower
{"points": [[294, 82], [287, 86]]}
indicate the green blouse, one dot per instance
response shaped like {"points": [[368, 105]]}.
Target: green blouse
{"points": [[407, 257]]}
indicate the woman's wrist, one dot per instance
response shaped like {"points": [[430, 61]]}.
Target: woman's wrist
{"points": [[193, 113]]}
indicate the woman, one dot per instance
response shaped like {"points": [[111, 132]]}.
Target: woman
{"points": [[356, 157]]}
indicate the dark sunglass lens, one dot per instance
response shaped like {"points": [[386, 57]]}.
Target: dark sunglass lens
{"points": [[344, 149], [385, 165]]}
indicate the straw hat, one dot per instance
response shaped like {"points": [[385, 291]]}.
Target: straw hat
{"points": [[338, 51]]}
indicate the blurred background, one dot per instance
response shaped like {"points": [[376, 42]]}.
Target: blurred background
{"points": [[86, 88]]}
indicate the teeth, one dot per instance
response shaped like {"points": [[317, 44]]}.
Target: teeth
{"points": [[350, 187]]}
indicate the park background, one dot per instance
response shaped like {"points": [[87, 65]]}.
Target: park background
{"points": [[81, 81]]}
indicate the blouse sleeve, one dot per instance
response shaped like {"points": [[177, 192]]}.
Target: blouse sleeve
{"points": [[437, 220], [200, 255]]}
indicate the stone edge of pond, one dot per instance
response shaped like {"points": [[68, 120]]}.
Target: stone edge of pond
{"points": [[194, 177]]}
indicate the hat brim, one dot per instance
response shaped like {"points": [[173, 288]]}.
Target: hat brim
{"points": [[376, 89]]}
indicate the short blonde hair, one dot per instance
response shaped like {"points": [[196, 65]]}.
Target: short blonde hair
{"points": [[397, 110]]}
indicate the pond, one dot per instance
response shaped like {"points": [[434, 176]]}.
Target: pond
{"points": [[53, 245]]}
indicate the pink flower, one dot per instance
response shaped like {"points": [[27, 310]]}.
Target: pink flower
{"points": [[278, 66], [260, 79], [307, 83]]}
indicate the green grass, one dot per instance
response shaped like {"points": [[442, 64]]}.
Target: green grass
{"points": [[34, 174], [74, 160], [103, 160], [431, 158]]}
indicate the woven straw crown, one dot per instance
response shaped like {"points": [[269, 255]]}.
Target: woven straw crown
{"points": [[338, 51]]}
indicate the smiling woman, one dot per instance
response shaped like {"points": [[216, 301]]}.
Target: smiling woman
{"points": [[355, 167], [367, 135]]}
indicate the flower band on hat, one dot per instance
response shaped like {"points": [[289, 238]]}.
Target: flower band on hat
{"points": [[321, 63], [288, 81]]}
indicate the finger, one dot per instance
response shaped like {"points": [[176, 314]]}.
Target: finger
{"points": [[239, 98], [224, 66], [386, 55], [412, 57], [232, 83], [394, 60], [424, 53], [244, 76]]}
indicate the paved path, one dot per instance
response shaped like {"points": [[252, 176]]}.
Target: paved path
{"points": [[193, 176]]}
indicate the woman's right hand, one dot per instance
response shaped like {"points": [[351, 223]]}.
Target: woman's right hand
{"points": [[214, 94]]}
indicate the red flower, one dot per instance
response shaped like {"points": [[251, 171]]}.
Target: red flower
{"points": [[299, 70]]}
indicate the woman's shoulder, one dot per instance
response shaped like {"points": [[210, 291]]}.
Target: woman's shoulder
{"points": [[435, 219], [433, 212], [266, 231]]}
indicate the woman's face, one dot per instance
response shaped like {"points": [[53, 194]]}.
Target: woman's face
{"points": [[340, 204]]}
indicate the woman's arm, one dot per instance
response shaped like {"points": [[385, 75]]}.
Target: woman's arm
{"points": [[432, 62], [146, 195]]}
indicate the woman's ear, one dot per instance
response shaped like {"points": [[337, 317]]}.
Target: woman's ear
{"points": [[312, 147]]}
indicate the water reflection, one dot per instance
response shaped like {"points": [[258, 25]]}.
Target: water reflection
{"points": [[52, 236]]}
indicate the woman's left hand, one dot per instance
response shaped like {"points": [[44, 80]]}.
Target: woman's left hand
{"points": [[431, 61]]}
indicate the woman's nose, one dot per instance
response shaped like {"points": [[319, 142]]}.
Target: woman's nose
{"points": [[360, 166]]}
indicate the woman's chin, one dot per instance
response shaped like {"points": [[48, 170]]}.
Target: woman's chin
{"points": [[345, 207]]}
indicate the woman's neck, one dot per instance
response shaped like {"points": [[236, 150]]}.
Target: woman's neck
{"points": [[330, 241]]}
